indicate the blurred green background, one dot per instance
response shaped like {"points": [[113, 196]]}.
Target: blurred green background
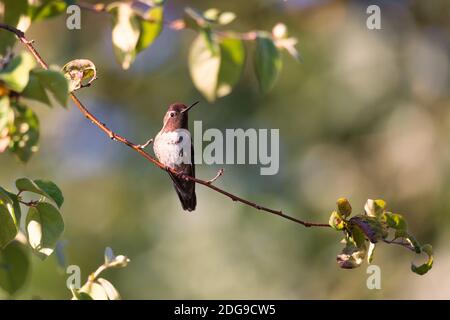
{"points": [[365, 115]]}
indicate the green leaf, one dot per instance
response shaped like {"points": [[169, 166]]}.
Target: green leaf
{"points": [[414, 243], [110, 290], [17, 210], [344, 207], [425, 267], [79, 72], [204, 64], [397, 222], [52, 191], [150, 28], [16, 205], [14, 267], [24, 133], [48, 9], [357, 236], [336, 221], [25, 184], [125, 33], [44, 226], [35, 90], [55, 82], [370, 226], [375, 208], [94, 290], [267, 62], [9, 226], [16, 73], [211, 40], [14, 10], [232, 54], [44, 188]]}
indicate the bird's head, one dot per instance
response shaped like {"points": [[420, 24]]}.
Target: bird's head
{"points": [[177, 116]]}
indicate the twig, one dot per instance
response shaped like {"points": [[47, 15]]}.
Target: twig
{"points": [[218, 175], [143, 146], [101, 8], [116, 137], [246, 36], [97, 8], [175, 25], [400, 243], [32, 203], [93, 276]]}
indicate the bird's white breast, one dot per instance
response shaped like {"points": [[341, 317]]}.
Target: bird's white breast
{"points": [[173, 148]]}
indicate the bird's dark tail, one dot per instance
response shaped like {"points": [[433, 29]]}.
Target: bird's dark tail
{"points": [[188, 201], [186, 192]]}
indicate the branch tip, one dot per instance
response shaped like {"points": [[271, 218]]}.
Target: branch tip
{"points": [[143, 146], [217, 176]]}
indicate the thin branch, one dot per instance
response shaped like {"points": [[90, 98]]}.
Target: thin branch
{"points": [[32, 203], [218, 175], [246, 36], [176, 25], [101, 8], [138, 148], [400, 243], [26, 42], [97, 8], [93, 276], [145, 145]]}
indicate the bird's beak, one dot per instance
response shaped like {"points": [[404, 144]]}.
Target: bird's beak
{"points": [[187, 109]]}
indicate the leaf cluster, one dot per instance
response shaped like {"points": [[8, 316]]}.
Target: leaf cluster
{"points": [[364, 231], [40, 228], [97, 288], [21, 81]]}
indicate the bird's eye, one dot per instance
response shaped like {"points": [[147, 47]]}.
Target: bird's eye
{"points": [[172, 114]]}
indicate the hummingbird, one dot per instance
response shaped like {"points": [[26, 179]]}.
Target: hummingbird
{"points": [[173, 148]]}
